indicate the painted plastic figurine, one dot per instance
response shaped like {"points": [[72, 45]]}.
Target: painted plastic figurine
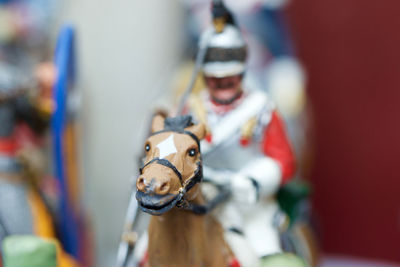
{"points": [[271, 66], [245, 152], [246, 146], [26, 110], [182, 231], [272, 61]]}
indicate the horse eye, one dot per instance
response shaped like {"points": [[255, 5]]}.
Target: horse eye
{"points": [[192, 152], [147, 148]]}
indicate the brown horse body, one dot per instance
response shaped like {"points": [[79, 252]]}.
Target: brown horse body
{"points": [[182, 238], [178, 237]]}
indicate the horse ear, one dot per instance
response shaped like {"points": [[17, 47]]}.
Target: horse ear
{"points": [[198, 130], [157, 124]]}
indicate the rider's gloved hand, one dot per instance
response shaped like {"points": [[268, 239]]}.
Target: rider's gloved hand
{"points": [[244, 189]]}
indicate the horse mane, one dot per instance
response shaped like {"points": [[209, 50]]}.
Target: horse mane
{"points": [[178, 123]]}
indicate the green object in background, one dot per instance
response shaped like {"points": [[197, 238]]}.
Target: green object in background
{"points": [[29, 251], [283, 260], [291, 196]]}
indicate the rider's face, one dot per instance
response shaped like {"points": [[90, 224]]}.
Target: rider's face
{"points": [[224, 90]]}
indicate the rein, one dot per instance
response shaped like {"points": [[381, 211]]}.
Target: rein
{"points": [[179, 200]]}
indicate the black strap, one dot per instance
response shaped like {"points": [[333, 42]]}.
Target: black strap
{"points": [[180, 200], [224, 194], [194, 137], [236, 231], [196, 178], [256, 186], [165, 163]]}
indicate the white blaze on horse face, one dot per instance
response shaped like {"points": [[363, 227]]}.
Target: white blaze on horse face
{"points": [[167, 147]]}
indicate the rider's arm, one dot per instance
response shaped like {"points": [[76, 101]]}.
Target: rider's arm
{"points": [[217, 176], [263, 175], [259, 178], [276, 145]]}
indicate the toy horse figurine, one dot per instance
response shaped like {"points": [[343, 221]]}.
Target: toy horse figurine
{"points": [[183, 233], [169, 186]]}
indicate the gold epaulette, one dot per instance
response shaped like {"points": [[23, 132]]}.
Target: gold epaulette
{"points": [[247, 129], [197, 107]]}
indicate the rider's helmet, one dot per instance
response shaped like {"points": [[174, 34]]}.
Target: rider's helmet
{"points": [[226, 49]]}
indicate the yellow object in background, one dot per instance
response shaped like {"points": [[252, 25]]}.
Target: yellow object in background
{"points": [[43, 227]]}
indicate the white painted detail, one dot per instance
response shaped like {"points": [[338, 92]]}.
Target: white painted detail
{"points": [[243, 189], [242, 250], [231, 37], [226, 128], [141, 248], [229, 215], [267, 172], [223, 69], [221, 177], [256, 222], [260, 231], [167, 147]]}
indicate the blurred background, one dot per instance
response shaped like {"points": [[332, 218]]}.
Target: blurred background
{"points": [[126, 51], [350, 51], [345, 60]]}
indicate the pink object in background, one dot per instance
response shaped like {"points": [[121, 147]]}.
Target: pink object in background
{"points": [[337, 261]]}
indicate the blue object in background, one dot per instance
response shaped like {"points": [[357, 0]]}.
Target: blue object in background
{"points": [[270, 26], [65, 64]]}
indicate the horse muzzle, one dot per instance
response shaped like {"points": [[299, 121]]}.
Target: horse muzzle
{"points": [[157, 204]]}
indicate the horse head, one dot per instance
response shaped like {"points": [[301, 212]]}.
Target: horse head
{"points": [[172, 171]]}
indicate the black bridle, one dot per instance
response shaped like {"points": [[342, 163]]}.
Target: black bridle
{"points": [[179, 199]]}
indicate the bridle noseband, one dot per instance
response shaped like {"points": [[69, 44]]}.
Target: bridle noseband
{"points": [[165, 163]]}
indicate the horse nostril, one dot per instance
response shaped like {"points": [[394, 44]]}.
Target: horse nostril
{"points": [[140, 184], [163, 189]]}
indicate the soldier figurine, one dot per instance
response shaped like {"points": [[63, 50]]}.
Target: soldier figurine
{"points": [[246, 147]]}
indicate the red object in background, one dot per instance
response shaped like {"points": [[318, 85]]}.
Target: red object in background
{"points": [[276, 145], [208, 138], [244, 141], [351, 51], [8, 146], [234, 263]]}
